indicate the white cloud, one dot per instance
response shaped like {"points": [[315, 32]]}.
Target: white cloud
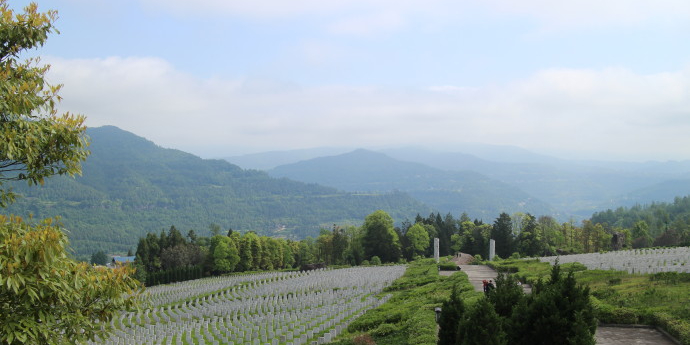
{"points": [[600, 112]]}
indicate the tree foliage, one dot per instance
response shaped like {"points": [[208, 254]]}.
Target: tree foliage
{"points": [[418, 239], [45, 296], [502, 233], [99, 258], [379, 237], [37, 142], [451, 313], [482, 326], [48, 298], [558, 311]]}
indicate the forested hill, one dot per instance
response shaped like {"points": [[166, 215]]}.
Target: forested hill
{"points": [[130, 187], [445, 191]]}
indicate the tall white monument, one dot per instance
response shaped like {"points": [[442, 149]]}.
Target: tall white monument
{"points": [[436, 249], [492, 249]]}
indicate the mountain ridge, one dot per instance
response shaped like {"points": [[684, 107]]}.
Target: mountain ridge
{"points": [[444, 191]]}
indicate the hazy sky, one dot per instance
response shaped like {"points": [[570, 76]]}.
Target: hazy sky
{"points": [[587, 78]]}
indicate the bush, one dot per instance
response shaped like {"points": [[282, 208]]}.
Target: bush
{"points": [[363, 339], [421, 328], [375, 260], [680, 329], [607, 313], [385, 329], [670, 277], [615, 281], [574, 267], [451, 314], [562, 309], [482, 326]]}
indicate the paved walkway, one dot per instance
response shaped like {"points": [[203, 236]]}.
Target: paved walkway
{"points": [[478, 273], [604, 335], [630, 336]]}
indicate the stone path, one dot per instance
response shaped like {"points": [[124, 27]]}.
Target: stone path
{"points": [[478, 273], [630, 336], [605, 335]]}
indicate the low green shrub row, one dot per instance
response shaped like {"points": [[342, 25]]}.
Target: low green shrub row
{"points": [[679, 329], [408, 318], [609, 314]]}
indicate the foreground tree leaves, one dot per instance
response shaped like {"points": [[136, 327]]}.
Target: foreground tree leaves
{"points": [[36, 141], [48, 298]]}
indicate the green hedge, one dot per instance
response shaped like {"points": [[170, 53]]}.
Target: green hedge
{"points": [[679, 329], [607, 313], [421, 327]]}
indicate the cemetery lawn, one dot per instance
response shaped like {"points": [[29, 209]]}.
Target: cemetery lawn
{"points": [[408, 317], [659, 299]]}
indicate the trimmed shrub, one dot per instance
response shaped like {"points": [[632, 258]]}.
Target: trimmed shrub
{"points": [[680, 329], [421, 327]]}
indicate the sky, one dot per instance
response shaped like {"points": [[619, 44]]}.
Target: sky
{"points": [[586, 79]]}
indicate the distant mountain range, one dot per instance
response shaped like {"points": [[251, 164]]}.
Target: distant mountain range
{"points": [[567, 189], [445, 191], [130, 187]]}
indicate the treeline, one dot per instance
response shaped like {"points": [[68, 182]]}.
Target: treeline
{"points": [[171, 256], [658, 224]]}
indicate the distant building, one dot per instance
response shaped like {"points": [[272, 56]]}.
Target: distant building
{"points": [[121, 260]]}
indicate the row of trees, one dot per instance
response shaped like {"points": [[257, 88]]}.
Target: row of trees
{"points": [[377, 239]]}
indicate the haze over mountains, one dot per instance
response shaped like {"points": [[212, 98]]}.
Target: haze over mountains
{"points": [[443, 190], [563, 188]]}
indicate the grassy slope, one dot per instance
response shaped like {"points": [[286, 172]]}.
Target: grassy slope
{"points": [[661, 299], [409, 317]]}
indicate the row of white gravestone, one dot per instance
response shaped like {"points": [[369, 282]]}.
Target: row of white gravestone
{"points": [[163, 295], [284, 309], [633, 261], [309, 322]]}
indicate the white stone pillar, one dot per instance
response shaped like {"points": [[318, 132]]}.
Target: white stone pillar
{"points": [[436, 252], [492, 249]]}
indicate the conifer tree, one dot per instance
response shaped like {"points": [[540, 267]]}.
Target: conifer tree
{"points": [[482, 326], [451, 314]]}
